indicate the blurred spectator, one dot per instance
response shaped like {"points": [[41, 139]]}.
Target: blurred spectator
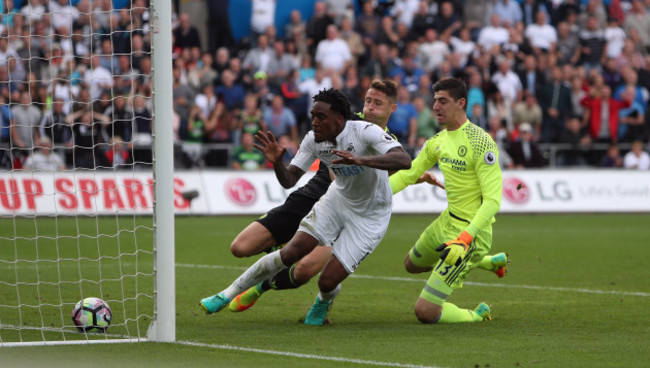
{"points": [[221, 62], [5, 50], [354, 41], [296, 25], [120, 121], [463, 46], [404, 11], [247, 157], [507, 82], [102, 13], [387, 33], [637, 158], [186, 35], [339, 9], [532, 79], [447, 22], [632, 120], [249, 119], [432, 52], [218, 127], [603, 114], [42, 159], [423, 19], [403, 121], [86, 135], [380, 65], [367, 24], [592, 45], [280, 119], [629, 56], [25, 120], [530, 8], [262, 15], [528, 110], [202, 74], [54, 127], [541, 35], [263, 90], [641, 94], [638, 19], [408, 74], [556, 105], [142, 120], [568, 50], [475, 93], [612, 75], [258, 57], [184, 95], [351, 89], [206, 100], [317, 26], [117, 156], [577, 94], [333, 53], [280, 65], [614, 37], [508, 11], [524, 152], [427, 124], [285, 141], [579, 141], [499, 107], [196, 131], [97, 78], [232, 94], [62, 13], [612, 158], [311, 86]]}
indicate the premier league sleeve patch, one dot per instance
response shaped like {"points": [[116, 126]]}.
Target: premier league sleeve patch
{"points": [[387, 137], [490, 158]]}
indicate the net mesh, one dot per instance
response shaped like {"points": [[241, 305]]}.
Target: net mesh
{"points": [[76, 188]]}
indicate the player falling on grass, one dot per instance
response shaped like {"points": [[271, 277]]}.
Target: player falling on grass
{"points": [[459, 239], [353, 215], [379, 104]]}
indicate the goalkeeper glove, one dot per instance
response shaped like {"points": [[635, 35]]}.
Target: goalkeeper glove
{"points": [[453, 251]]}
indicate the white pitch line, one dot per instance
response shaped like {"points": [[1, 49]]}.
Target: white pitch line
{"points": [[305, 356], [410, 279]]}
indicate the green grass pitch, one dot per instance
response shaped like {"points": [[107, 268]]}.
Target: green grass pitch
{"points": [[576, 295]]}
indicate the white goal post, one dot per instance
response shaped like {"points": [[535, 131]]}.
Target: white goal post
{"points": [[86, 211]]}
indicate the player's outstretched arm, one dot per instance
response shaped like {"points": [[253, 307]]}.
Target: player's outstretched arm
{"points": [[395, 159], [287, 176]]}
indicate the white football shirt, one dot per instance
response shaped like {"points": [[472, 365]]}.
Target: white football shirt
{"points": [[361, 186]]}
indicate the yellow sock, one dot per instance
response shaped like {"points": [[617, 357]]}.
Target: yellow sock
{"points": [[452, 314]]}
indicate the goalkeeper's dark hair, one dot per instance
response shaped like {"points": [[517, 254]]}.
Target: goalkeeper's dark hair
{"points": [[456, 88], [337, 100], [387, 86]]}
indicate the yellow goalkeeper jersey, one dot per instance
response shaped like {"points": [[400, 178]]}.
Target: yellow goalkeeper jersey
{"points": [[468, 158]]}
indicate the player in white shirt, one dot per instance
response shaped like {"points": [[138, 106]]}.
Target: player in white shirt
{"points": [[352, 217], [637, 158]]}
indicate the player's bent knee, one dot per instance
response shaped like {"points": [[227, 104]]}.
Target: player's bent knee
{"points": [[304, 272], [427, 312], [238, 249], [411, 268]]}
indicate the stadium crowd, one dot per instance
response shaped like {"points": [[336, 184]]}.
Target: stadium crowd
{"points": [[555, 82]]}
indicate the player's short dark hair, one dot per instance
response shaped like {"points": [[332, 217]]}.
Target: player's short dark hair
{"points": [[337, 100], [387, 86], [456, 88]]}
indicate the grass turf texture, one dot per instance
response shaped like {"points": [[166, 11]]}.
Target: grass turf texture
{"points": [[576, 295]]}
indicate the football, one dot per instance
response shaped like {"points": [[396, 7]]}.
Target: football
{"points": [[91, 314]]}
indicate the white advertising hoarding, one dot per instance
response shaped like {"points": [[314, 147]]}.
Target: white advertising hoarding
{"points": [[238, 192]]}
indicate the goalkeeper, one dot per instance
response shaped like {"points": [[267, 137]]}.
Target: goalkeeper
{"points": [[460, 238]]}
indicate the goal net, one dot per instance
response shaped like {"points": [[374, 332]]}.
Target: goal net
{"points": [[85, 170]]}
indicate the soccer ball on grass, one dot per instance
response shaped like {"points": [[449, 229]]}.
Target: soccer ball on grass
{"points": [[91, 314]]}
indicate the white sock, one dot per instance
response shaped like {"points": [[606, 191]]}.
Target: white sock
{"points": [[264, 268], [330, 294]]}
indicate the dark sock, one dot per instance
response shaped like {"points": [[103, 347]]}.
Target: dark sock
{"points": [[282, 280]]}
